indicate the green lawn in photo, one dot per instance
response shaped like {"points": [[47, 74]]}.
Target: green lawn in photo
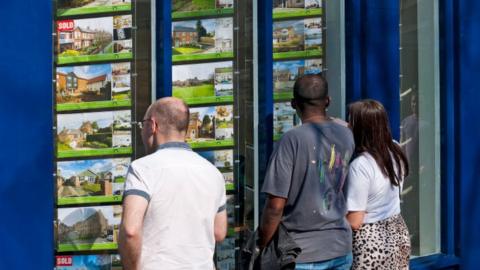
{"points": [[282, 96], [93, 10], [230, 186], [202, 94], [201, 13], [186, 50], [204, 90], [205, 56], [211, 143], [121, 97], [89, 199], [296, 54], [93, 105], [92, 246], [91, 152], [97, 57], [295, 12], [276, 137]]}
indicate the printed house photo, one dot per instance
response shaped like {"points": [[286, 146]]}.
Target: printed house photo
{"points": [[281, 7], [122, 129], [288, 36], [122, 34], [284, 75], [210, 126], [83, 84], [296, 8], [80, 7], [224, 122], [203, 83], [313, 66], [89, 87], [286, 72], [88, 228], [121, 82], [84, 40], [223, 160], [202, 39], [190, 8], [91, 181], [90, 262], [284, 119], [313, 34], [92, 134]]}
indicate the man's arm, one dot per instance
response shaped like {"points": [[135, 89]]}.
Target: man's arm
{"points": [[220, 225], [271, 217], [130, 238]]}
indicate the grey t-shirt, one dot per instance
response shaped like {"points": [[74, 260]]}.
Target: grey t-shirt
{"points": [[308, 167]]}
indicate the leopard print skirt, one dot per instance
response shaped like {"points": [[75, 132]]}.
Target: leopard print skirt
{"points": [[383, 244]]}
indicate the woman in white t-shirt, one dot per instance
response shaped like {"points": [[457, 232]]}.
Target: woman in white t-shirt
{"points": [[380, 236]]}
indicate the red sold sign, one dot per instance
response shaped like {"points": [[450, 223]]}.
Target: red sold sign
{"points": [[65, 25], [64, 260]]}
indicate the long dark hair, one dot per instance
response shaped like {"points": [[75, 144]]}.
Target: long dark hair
{"points": [[371, 131]]}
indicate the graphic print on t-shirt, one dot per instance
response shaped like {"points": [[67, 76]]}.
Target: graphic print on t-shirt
{"points": [[331, 181]]}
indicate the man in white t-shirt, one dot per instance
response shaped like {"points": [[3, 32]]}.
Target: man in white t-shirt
{"points": [[174, 201]]}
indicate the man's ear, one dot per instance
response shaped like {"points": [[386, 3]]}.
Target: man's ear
{"points": [[327, 101]]}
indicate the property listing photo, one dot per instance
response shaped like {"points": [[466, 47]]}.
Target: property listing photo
{"points": [[284, 119], [93, 134], [90, 87], [90, 262], [83, 7], [210, 126], [84, 40], [88, 228], [286, 72], [194, 8], [202, 39], [203, 83], [296, 8], [223, 160], [91, 181], [297, 38]]}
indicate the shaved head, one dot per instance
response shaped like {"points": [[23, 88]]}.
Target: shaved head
{"points": [[171, 114], [310, 88]]}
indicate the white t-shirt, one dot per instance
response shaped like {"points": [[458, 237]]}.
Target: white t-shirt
{"points": [[370, 191], [185, 192]]}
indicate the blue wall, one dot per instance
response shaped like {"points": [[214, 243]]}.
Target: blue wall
{"points": [[26, 187], [467, 87], [26, 183]]}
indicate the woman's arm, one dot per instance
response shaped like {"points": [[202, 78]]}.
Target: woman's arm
{"points": [[355, 218]]}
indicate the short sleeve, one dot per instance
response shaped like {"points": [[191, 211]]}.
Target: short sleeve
{"points": [[222, 197], [358, 184], [136, 185], [278, 177]]}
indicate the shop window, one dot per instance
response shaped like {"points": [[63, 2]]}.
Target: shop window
{"points": [[419, 118]]}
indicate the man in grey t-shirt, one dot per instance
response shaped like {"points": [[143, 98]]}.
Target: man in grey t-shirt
{"points": [[304, 181]]}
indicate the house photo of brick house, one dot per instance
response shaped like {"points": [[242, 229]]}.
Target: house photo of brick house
{"points": [[85, 37], [288, 3], [184, 36], [288, 36]]}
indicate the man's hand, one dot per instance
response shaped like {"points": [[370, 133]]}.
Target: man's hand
{"points": [[130, 237], [272, 215]]}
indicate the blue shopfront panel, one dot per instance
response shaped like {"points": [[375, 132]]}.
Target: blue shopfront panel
{"points": [[26, 187]]}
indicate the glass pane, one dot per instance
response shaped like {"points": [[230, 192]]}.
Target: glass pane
{"points": [[212, 67], [419, 101], [103, 78]]}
